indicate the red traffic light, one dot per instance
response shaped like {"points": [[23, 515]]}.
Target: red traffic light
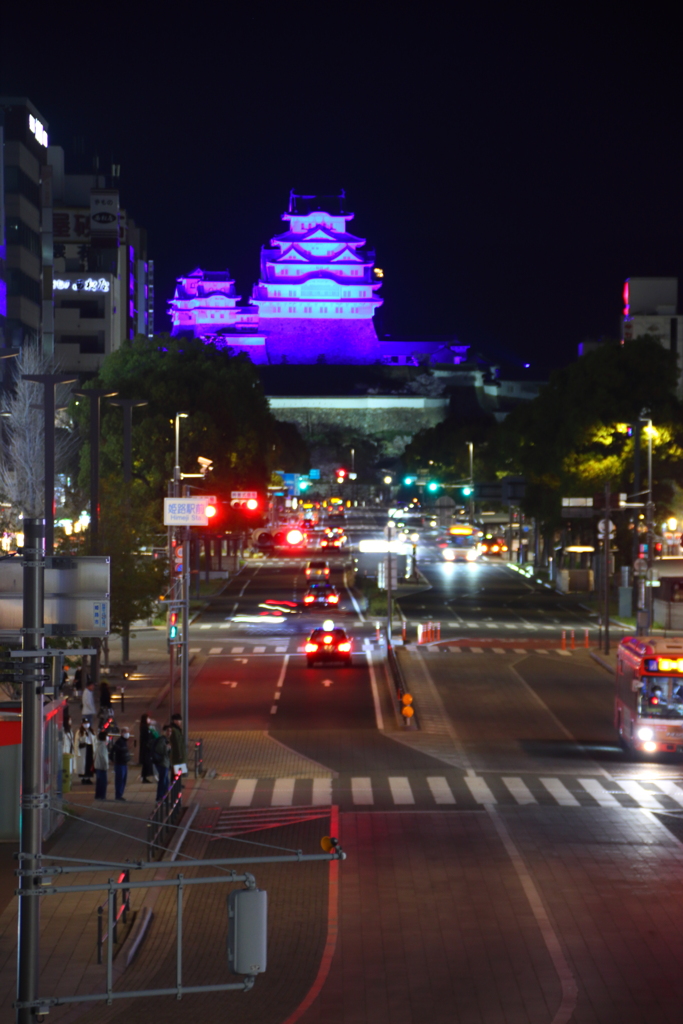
{"points": [[210, 511], [252, 504], [295, 537], [341, 472]]}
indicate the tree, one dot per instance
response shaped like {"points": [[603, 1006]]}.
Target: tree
{"points": [[229, 419]]}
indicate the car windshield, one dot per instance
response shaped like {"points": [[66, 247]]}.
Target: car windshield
{"points": [[317, 565], [661, 697]]}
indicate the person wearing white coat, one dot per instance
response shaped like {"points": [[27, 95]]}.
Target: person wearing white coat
{"points": [[85, 753]]}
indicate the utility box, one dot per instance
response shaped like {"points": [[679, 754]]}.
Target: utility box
{"points": [[625, 602], [247, 931]]}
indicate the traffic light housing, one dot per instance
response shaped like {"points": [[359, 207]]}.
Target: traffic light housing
{"points": [[172, 627]]}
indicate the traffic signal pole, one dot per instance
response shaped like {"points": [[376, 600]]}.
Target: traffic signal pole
{"points": [[607, 543], [32, 795], [185, 648]]}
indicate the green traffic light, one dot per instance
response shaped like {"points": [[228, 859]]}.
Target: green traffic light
{"points": [[432, 486], [467, 491], [408, 480]]}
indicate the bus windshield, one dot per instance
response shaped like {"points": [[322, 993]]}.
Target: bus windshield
{"points": [[661, 697]]}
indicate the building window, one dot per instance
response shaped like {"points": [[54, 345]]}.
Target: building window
{"points": [[89, 344], [17, 180], [20, 284], [19, 233]]}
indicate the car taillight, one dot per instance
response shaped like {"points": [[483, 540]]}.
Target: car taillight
{"points": [[333, 598], [344, 647], [327, 639], [310, 648], [309, 599]]}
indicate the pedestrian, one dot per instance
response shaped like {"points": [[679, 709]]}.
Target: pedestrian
{"points": [[105, 697], [88, 703], [146, 764], [101, 765], [178, 752], [162, 761], [78, 680], [65, 679], [85, 749], [120, 755], [68, 751]]}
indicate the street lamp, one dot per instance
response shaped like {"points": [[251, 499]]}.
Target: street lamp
{"points": [[470, 445], [176, 469]]}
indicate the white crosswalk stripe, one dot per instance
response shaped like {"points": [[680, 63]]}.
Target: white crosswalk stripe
{"points": [[599, 793], [361, 792], [401, 791], [236, 650], [559, 791], [642, 796], [215, 650], [671, 789], [243, 793], [283, 793], [480, 791], [519, 790], [259, 650], [322, 792], [440, 790]]}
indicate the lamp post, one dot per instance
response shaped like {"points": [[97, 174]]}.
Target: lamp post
{"points": [[49, 381], [470, 445], [176, 468], [649, 522], [127, 405], [95, 396]]}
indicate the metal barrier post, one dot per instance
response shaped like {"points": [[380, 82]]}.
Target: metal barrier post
{"points": [[99, 935], [572, 641], [585, 642], [563, 642]]}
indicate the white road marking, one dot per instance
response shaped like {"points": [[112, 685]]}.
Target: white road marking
{"points": [[476, 650], [361, 791], [498, 650], [565, 654], [195, 650], [215, 650], [244, 587], [559, 791], [379, 720], [400, 790], [322, 792], [205, 627], [283, 793], [599, 793], [441, 791], [671, 789], [519, 790], [280, 650], [277, 694], [259, 650], [273, 710], [519, 650], [327, 682], [236, 650], [228, 682], [642, 796], [283, 672], [479, 790], [243, 793]]}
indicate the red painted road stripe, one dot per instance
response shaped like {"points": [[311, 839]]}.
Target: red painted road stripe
{"points": [[332, 929]]}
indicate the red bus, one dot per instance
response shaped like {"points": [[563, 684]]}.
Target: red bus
{"points": [[648, 713]]}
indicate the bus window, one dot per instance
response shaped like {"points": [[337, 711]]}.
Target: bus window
{"points": [[661, 697]]}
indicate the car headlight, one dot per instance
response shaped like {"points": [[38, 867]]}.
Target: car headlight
{"points": [[449, 555], [645, 733]]}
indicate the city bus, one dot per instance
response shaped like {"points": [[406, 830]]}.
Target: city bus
{"points": [[462, 543], [648, 713]]}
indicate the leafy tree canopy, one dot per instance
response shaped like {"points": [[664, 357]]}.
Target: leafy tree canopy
{"points": [[229, 420]]}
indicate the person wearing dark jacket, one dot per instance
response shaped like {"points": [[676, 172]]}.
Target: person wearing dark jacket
{"points": [[105, 696], [161, 755], [145, 751], [120, 755], [178, 752]]}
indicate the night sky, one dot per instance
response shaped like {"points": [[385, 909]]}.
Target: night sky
{"points": [[511, 164]]}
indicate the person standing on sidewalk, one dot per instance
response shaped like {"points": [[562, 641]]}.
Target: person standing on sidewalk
{"points": [[178, 752], [88, 703], [85, 742], [101, 766], [68, 751], [146, 765], [162, 761], [120, 755]]}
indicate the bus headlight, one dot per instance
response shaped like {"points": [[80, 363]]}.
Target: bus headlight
{"points": [[449, 555], [649, 748], [645, 733], [472, 555]]}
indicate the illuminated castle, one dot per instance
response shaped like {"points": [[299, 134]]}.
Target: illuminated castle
{"points": [[314, 300], [316, 293]]}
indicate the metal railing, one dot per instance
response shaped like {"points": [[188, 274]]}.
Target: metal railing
{"points": [[163, 819], [198, 758], [118, 914]]}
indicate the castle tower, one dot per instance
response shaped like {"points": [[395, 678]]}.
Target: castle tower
{"points": [[316, 293]]}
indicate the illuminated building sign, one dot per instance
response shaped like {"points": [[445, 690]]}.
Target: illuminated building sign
{"points": [[37, 128], [83, 284]]}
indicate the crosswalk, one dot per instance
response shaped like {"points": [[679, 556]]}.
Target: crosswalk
{"points": [[290, 646], [455, 791]]}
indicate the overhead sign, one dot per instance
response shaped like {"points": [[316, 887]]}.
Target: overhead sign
{"points": [[187, 511], [243, 495]]}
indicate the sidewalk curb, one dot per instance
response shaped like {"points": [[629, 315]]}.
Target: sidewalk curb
{"points": [[601, 661]]}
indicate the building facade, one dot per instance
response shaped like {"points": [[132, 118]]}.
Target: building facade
{"points": [[25, 226], [103, 281], [650, 310]]}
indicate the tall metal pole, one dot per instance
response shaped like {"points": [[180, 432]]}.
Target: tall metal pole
{"points": [[470, 445], [49, 380], [608, 525], [127, 405], [185, 649], [390, 610], [95, 396], [649, 519], [32, 796]]}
